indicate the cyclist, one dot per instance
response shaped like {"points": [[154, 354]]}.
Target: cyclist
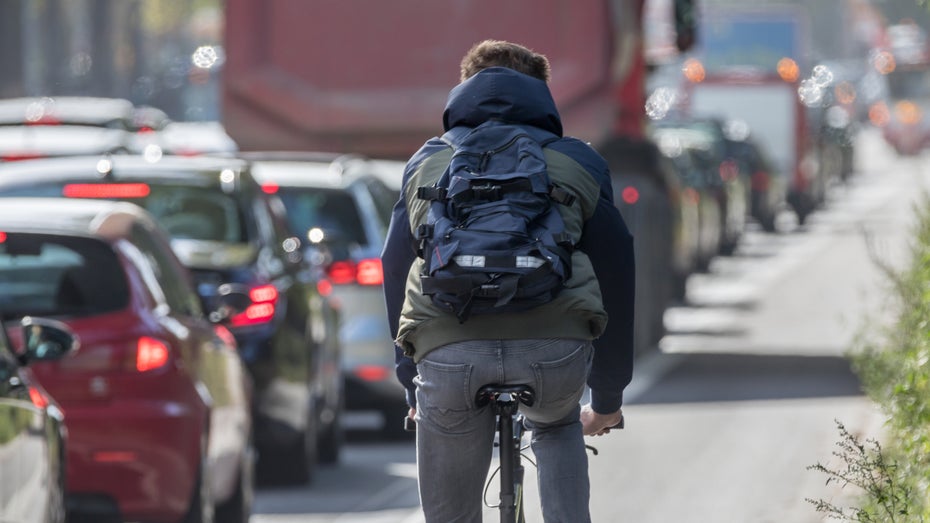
{"points": [[556, 348]]}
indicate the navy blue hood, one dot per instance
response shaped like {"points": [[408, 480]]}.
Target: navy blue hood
{"points": [[504, 94]]}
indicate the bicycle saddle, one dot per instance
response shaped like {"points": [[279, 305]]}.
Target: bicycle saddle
{"points": [[493, 392]]}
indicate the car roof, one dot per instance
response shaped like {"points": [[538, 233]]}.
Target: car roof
{"points": [[109, 220], [59, 140], [321, 169], [75, 109], [202, 169]]}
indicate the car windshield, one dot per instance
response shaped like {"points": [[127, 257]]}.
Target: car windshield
{"points": [[53, 275], [332, 210]]}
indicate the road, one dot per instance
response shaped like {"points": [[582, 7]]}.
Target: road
{"points": [[742, 395]]}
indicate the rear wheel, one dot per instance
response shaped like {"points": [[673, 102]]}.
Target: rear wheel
{"points": [[292, 464], [201, 505], [238, 508], [330, 445]]}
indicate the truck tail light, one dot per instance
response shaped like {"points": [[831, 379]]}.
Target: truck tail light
{"points": [[261, 310]]}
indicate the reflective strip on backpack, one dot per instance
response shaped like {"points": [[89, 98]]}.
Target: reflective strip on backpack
{"points": [[471, 260]]}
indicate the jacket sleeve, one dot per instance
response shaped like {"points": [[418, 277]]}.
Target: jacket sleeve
{"points": [[609, 245], [397, 256]]}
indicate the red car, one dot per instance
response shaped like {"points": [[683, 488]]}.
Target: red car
{"points": [[156, 399]]}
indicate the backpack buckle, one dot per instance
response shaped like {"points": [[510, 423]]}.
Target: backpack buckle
{"points": [[431, 193], [560, 195]]}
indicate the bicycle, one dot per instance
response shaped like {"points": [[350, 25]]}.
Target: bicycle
{"points": [[505, 402]]}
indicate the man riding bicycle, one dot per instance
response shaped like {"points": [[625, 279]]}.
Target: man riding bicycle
{"points": [[556, 348]]}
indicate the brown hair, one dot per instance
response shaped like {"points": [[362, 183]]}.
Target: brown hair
{"points": [[498, 53]]}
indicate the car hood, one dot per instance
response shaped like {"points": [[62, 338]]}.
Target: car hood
{"points": [[213, 255]]}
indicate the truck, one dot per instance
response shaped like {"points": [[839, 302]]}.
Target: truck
{"points": [[752, 58], [372, 78]]}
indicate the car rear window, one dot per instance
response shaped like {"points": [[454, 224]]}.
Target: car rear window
{"points": [[54, 275], [332, 210], [196, 213], [185, 211]]}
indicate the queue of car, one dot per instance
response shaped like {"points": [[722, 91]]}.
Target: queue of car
{"points": [[218, 312]]}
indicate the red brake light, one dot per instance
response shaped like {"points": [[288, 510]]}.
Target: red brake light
{"points": [[630, 195], [341, 272], [263, 294], [224, 334], [38, 399], [324, 287], [270, 188], [369, 272], [150, 354], [19, 156], [261, 310], [372, 373], [2, 236], [105, 190]]}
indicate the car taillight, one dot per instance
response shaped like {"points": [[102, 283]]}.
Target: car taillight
{"points": [[106, 190], [19, 156], [369, 272], [270, 188], [151, 354], [2, 237], [372, 373], [261, 310], [38, 398], [224, 334], [630, 195], [365, 272]]}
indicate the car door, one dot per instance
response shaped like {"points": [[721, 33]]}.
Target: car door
{"points": [[212, 354], [24, 460]]}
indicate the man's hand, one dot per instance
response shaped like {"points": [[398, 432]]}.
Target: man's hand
{"points": [[594, 424]]}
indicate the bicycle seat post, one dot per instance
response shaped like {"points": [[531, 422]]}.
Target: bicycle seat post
{"points": [[505, 402]]}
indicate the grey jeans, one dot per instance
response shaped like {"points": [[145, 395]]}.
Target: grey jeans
{"points": [[455, 439]]}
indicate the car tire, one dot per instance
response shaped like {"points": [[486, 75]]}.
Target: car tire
{"points": [[56, 511], [332, 437], [201, 508], [293, 464], [238, 508]]}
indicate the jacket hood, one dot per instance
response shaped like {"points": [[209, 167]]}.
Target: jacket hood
{"points": [[505, 94]]}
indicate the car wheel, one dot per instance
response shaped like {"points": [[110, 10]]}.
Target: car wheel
{"points": [[330, 444], [292, 464], [201, 506], [238, 508], [56, 495]]}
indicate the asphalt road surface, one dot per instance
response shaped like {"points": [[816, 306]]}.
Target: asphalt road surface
{"points": [[741, 397]]}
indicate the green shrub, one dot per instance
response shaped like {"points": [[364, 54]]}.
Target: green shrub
{"points": [[893, 365]]}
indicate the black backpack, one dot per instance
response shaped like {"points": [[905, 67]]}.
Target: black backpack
{"points": [[494, 241]]}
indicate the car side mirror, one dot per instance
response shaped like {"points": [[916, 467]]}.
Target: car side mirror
{"points": [[230, 300], [45, 339]]}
